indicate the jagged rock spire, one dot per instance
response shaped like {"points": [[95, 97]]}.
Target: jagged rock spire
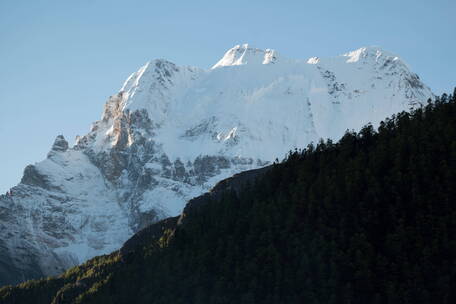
{"points": [[60, 144]]}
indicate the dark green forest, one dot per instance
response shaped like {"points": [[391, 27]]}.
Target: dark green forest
{"points": [[369, 219]]}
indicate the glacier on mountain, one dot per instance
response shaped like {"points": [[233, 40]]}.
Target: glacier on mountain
{"points": [[172, 132]]}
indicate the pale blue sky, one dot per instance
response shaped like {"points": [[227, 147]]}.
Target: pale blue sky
{"points": [[60, 60]]}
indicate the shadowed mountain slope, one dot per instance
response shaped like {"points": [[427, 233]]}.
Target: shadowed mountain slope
{"points": [[369, 219]]}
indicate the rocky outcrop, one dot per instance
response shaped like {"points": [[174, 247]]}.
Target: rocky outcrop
{"points": [[60, 144], [33, 177], [153, 232]]}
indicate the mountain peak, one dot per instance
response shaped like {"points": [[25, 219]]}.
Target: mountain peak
{"points": [[60, 144], [245, 54], [366, 52], [173, 131]]}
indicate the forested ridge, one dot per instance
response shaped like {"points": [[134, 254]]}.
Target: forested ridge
{"points": [[369, 219]]}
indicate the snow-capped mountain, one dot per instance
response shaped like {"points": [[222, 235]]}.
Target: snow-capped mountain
{"points": [[172, 132]]}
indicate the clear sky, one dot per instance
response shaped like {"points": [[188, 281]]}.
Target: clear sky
{"points": [[60, 60]]}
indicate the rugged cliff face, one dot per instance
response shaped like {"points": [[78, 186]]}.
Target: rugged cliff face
{"points": [[171, 133]]}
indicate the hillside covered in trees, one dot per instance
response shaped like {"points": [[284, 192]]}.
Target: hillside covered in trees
{"points": [[370, 219]]}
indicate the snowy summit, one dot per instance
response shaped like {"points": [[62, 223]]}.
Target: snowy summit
{"points": [[244, 54]]}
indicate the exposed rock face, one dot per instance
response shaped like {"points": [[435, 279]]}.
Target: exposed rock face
{"points": [[33, 177], [153, 232], [60, 144], [172, 133]]}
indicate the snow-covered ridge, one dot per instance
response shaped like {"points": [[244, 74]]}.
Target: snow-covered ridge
{"points": [[172, 132], [240, 94], [244, 54], [369, 53]]}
